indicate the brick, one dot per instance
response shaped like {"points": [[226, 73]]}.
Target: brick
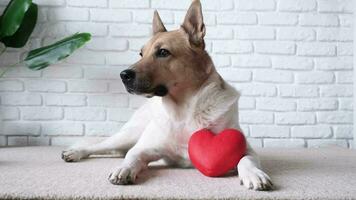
{"points": [[108, 44], [24, 99], [219, 33], [173, 4], [45, 86], [221, 60], [62, 128], [311, 131], [41, 113], [344, 49], [344, 77], [316, 49], [315, 77], [116, 87], [255, 5], [255, 89], [269, 131], [88, 3], [65, 141], [338, 63], [235, 75], [68, 14], [102, 129], [130, 30], [65, 100], [273, 76], [335, 117], [318, 20], [298, 91], [326, 143], [227, 18], [11, 86], [106, 73], [232, 47], [110, 15], [283, 19], [17, 141], [249, 61], [295, 118], [21, 128], [50, 3], [120, 114], [146, 16], [346, 104], [108, 100], [87, 86], [344, 6], [65, 72], [247, 103], [129, 3], [283, 143], [259, 33], [95, 29], [317, 104], [296, 34], [256, 117], [9, 113], [297, 5], [85, 114], [336, 91], [38, 141], [122, 58], [87, 57], [343, 132], [292, 63], [274, 104], [284, 48], [335, 34]]}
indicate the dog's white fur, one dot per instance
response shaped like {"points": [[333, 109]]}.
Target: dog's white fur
{"points": [[160, 129]]}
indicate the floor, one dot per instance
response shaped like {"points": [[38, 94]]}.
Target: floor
{"points": [[39, 173]]}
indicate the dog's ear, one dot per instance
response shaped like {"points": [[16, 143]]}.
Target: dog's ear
{"points": [[157, 24], [193, 24]]}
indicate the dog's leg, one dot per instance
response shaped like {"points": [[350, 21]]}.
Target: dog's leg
{"points": [[149, 148], [122, 141], [250, 173]]}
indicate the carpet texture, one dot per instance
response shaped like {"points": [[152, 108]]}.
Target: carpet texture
{"points": [[39, 173]]}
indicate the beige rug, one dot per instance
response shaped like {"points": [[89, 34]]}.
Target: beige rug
{"points": [[39, 172]]}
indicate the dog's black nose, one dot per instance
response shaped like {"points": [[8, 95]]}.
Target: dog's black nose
{"points": [[128, 75]]}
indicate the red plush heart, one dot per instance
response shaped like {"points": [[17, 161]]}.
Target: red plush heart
{"points": [[216, 154]]}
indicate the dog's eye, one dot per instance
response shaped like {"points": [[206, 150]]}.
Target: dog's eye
{"points": [[162, 53]]}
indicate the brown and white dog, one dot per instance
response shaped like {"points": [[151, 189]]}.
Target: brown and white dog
{"points": [[187, 95]]}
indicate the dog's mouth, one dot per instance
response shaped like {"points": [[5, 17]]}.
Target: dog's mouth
{"points": [[159, 90]]}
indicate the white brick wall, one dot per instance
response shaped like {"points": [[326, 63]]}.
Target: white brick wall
{"points": [[291, 60]]}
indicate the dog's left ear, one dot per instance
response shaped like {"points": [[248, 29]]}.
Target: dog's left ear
{"points": [[193, 24], [157, 24]]}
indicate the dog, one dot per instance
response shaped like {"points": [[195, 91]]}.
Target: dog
{"points": [[185, 94]]}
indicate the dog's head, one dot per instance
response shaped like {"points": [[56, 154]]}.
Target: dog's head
{"points": [[172, 61]]}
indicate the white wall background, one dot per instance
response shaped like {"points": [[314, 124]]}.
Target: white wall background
{"points": [[291, 59]]}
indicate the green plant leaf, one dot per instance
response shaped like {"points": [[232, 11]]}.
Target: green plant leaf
{"points": [[12, 17], [21, 36], [43, 57]]}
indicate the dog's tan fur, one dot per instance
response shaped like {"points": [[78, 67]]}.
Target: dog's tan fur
{"points": [[195, 97]]}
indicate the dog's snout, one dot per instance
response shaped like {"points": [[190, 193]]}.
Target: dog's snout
{"points": [[128, 75]]}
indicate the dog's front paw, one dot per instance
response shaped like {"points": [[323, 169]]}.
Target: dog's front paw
{"points": [[73, 155], [123, 175], [254, 178]]}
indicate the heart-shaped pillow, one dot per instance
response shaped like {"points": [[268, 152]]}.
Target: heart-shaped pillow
{"points": [[216, 154]]}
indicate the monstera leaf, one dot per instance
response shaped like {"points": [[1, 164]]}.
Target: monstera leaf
{"points": [[21, 36], [43, 57], [13, 16]]}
